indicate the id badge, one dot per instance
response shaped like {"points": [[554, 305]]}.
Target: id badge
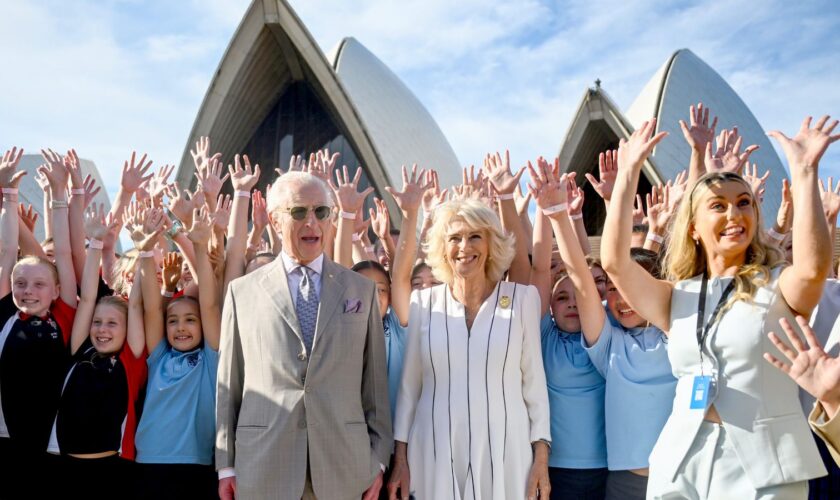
{"points": [[700, 392]]}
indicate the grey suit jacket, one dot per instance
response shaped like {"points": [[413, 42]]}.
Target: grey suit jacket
{"points": [[279, 407]]}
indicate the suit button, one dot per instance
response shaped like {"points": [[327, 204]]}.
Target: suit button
{"points": [[301, 357], [302, 425]]}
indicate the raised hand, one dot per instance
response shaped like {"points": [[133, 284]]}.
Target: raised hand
{"points": [[28, 216], [659, 208], [784, 217], [347, 191], [201, 153], [158, 183], [74, 167], [806, 148], [756, 183], [633, 152], [380, 221], [96, 226], [296, 164], [574, 195], [830, 198], [810, 366], [433, 196], [179, 203], [259, 211], [639, 212], [210, 179], [9, 175], [42, 181], [411, 196], [202, 226], [726, 157], [522, 201], [499, 174], [171, 271], [699, 133], [243, 179], [134, 173], [221, 216], [145, 225], [547, 186], [607, 171], [677, 189], [91, 189], [321, 165], [55, 171]]}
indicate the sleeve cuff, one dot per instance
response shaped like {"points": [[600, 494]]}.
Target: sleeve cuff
{"points": [[226, 472]]}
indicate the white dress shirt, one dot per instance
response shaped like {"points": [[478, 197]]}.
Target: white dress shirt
{"points": [[294, 276]]}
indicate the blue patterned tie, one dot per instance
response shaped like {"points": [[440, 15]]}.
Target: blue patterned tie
{"points": [[307, 307]]}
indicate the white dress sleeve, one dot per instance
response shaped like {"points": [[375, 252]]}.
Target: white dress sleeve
{"points": [[411, 382], [534, 387]]}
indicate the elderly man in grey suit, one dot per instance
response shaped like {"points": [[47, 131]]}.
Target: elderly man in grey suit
{"points": [[302, 396]]}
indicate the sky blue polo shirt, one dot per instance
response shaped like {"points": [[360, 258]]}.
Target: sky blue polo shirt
{"points": [[178, 425], [576, 400], [394, 353], [639, 394]]}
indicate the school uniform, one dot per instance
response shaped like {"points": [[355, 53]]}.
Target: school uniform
{"points": [[763, 448], [639, 392], [578, 460]]}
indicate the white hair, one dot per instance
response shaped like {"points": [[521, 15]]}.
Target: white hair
{"points": [[294, 180]]}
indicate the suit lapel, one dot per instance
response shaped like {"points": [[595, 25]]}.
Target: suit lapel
{"points": [[276, 285], [332, 290]]}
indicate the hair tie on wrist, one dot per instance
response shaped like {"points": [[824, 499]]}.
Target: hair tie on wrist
{"points": [[576, 216], [96, 244], [242, 194], [505, 196], [145, 254], [654, 237], [356, 237], [58, 204], [555, 209], [776, 235], [10, 191], [347, 215]]}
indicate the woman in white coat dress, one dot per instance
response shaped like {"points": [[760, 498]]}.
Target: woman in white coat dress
{"points": [[736, 428], [472, 417]]}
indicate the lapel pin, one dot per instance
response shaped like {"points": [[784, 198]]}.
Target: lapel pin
{"points": [[504, 301]]}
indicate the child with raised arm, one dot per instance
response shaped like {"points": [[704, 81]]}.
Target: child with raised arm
{"points": [[97, 414], [177, 431], [36, 316], [631, 355], [578, 461]]}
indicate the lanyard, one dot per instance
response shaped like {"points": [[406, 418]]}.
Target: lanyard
{"points": [[703, 330]]}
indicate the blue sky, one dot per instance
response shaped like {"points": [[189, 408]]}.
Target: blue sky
{"points": [[107, 77]]}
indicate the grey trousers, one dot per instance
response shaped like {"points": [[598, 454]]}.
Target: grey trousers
{"points": [[712, 470]]}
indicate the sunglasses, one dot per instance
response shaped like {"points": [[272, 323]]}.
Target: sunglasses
{"points": [[300, 213]]}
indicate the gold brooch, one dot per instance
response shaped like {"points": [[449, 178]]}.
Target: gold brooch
{"points": [[504, 301]]}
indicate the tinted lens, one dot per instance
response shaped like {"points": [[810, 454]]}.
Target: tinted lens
{"points": [[298, 213], [322, 212]]}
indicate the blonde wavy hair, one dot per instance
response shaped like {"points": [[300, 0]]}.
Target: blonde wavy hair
{"points": [[479, 217], [685, 258]]}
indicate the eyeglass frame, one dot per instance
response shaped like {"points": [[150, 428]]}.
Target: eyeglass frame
{"points": [[288, 210]]}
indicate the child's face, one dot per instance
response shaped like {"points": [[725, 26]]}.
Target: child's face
{"points": [[564, 307], [108, 329], [183, 325], [383, 288], [423, 279], [34, 288], [621, 310]]}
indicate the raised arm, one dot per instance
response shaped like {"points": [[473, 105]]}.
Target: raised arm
{"points": [[145, 225], [505, 183], [380, 222], [549, 190], [76, 211], [57, 174], [628, 276], [541, 260], [831, 206], [409, 200], [134, 174], [433, 197], [575, 198], [607, 170], [208, 295], [26, 239], [727, 156], [9, 182], [699, 133], [801, 283], [659, 213], [350, 202]]}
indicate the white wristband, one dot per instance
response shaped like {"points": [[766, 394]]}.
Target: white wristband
{"points": [[576, 216], [776, 236], [145, 254], [347, 215], [556, 209], [242, 194], [9, 190], [505, 196], [369, 249], [357, 237], [654, 237], [168, 294], [96, 244]]}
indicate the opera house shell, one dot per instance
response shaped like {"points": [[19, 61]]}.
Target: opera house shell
{"points": [[275, 94], [683, 80]]}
